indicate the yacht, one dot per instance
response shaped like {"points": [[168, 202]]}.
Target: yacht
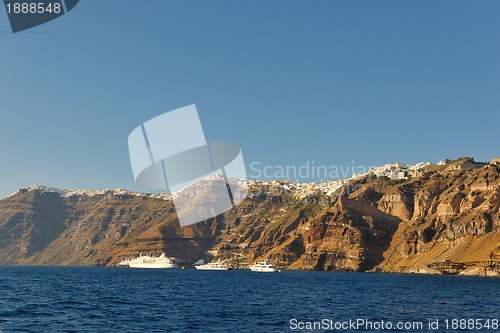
{"points": [[264, 266], [215, 266], [147, 261]]}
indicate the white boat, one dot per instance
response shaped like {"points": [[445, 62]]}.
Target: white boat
{"points": [[215, 266], [264, 266], [147, 261]]}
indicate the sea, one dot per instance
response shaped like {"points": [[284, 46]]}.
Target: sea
{"points": [[92, 299]]}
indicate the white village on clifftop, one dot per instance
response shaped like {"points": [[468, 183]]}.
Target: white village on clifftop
{"points": [[396, 171]]}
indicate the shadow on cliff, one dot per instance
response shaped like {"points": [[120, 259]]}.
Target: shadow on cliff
{"points": [[191, 242], [49, 219], [376, 227], [30, 221]]}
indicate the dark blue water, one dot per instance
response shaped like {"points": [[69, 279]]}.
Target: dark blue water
{"points": [[48, 299]]}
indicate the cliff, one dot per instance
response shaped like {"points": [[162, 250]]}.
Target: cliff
{"points": [[368, 223]]}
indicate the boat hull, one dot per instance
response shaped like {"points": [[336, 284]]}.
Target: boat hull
{"points": [[265, 270], [212, 269], [151, 262], [152, 265]]}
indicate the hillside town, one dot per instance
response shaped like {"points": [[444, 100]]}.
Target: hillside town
{"points": [[395, 171]]}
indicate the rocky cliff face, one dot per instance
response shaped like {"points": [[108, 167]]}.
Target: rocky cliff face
{"points": [[456, 217], [43, 226], [368, 223]]}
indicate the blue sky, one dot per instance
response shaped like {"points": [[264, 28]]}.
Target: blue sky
{"points": [[290, 81]]}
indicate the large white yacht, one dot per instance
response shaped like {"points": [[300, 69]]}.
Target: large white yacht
{"points": [[264, 266], [147, 261], [215, 266]]}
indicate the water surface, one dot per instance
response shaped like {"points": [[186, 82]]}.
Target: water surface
{"points": [[88, 299]]}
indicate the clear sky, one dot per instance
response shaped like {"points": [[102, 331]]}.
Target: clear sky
{"points": [[290, 81]]}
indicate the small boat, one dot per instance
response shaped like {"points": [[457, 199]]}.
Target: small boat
{"points": [[215, 266], [264, 266], [147, 261]]}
